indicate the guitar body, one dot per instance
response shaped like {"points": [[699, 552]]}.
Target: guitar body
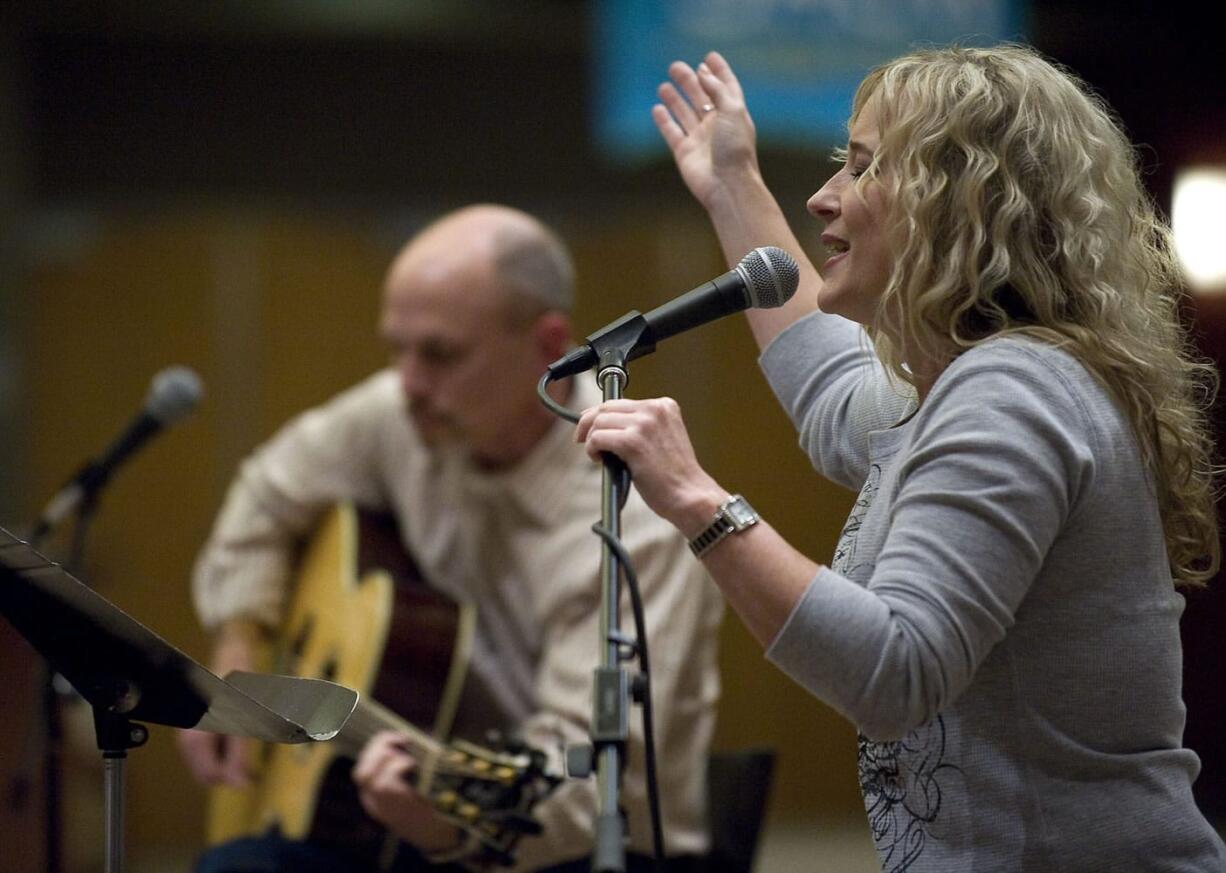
{"points": [[359, 615]]}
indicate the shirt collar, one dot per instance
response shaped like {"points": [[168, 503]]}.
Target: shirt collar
{"points": [[543, 483]]}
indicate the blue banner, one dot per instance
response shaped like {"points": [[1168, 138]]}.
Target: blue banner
{"points": [[798, 61]]}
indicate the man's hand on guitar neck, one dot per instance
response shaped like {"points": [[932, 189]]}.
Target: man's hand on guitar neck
{"points": [[218, 759], [382, 774]]}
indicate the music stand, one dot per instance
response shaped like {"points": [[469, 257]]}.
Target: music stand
{"points": [[126, 671]]}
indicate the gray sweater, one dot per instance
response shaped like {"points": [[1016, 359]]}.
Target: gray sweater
{"points": [[999, 620]]}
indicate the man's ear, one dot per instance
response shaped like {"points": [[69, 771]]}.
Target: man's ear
{"points": [[551, 332]]}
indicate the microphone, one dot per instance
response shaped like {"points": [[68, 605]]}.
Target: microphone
{"points": [[173, 393], [765, 278]]}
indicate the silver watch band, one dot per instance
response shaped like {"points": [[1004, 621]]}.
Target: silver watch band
{"points": [[734, 515]]}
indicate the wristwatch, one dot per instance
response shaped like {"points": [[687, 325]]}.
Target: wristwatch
{"points": [[733, 516]]}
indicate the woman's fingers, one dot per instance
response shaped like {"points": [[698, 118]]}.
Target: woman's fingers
{"points": [[686, 81], [719, 69], [626, 427]]}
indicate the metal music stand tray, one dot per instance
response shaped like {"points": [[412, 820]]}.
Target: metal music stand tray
{"points": [[126, 671]]}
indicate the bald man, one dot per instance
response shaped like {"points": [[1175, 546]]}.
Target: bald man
{"points": [[494, 500]]}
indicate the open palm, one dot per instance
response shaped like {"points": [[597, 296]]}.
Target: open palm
{"points": [[702, 117]]}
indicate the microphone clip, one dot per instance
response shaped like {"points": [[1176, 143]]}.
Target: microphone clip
{"points": [[610, 348]]}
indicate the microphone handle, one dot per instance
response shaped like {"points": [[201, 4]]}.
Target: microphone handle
{"points": [[719, 297], [95, 474], [634, 334]]}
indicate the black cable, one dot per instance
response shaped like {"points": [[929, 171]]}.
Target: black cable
{"points": [[649, 744], [556, 408]]}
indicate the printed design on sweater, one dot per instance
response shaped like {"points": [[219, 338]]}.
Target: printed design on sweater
{"points": [[900, 781], [843, 562]]}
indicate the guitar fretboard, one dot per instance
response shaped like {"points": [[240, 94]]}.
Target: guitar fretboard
{"points": [[434, 758], [371, 717]]}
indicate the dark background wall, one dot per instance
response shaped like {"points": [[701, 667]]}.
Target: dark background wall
{"points": [[223, 185]]}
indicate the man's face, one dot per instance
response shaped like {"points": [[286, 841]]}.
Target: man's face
{"points": [[468, 374]]}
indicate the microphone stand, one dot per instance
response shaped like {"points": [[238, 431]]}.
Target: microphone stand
{"points": [[766, 277], [609, 351], [53, 723], [610, 703]]}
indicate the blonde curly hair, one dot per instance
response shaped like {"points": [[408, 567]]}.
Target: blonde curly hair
{"points": [[1017, 207]]}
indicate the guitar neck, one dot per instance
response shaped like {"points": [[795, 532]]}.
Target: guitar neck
{"points": [[436, 761], [370, 717]]}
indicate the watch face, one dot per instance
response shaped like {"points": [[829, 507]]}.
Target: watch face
{"points": [[741, 513]]}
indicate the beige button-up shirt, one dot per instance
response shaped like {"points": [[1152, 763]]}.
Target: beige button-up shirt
{"points": [[518, 544]]}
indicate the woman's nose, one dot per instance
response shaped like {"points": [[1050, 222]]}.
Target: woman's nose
{"points": [[825, 203]]}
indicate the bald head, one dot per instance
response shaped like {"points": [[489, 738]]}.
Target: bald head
{"points": [[500, 251], [474, 310]]}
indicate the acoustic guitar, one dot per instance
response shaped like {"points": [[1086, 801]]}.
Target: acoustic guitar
{"points": [[360, 615]]}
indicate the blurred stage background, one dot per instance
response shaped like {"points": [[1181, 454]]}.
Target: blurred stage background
{"points": [[222, 185]]}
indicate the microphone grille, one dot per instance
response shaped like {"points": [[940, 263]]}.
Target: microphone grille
{"points": [[771, 275], [174, 393]]}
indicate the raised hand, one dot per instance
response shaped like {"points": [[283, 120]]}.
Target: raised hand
{"points": [[703, 118]]}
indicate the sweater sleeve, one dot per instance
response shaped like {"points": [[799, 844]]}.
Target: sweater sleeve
{"points": [[325, 455], [1001, 454], [822, 369]]}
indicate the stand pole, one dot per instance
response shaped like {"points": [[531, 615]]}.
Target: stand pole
{"points": [[611, 686], [113, 788], [52, 704], [53, 738], [116, 734]]}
